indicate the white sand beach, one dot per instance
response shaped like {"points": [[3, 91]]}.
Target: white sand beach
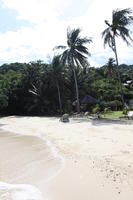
{"points": [[43, 158]]}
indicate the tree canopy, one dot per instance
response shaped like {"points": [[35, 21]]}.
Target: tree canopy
{"points": [[31, 89]]}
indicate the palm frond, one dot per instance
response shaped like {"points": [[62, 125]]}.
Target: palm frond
{"points": [[81, 59], [33, 92], [108, 37], [59, 47], [76, 51], [72, 36], [64, 57], [83, 41], [83, 50], [108, 24], [56, 60], [125, 34], [34, 87], [121, 19]]}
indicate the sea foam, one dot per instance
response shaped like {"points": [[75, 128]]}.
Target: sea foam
{"points": [[19, 192]]}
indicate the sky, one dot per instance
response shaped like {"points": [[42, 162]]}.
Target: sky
{"points": [[30, 29]]}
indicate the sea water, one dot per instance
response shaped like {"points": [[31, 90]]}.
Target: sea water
{"points": [[27, 163]]}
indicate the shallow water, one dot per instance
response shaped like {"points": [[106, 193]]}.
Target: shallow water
{"points": [[27, 163]]}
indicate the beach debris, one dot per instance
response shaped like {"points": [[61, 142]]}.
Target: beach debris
{"points": [[65, 118], [111, 170]]}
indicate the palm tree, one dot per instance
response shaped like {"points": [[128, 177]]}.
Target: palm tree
{"points": [[75, 55], [110, 69], [57, 73], [121, 19], [39, 100]]}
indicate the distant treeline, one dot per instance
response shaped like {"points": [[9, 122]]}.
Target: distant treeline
{"points": [[36, 88]]}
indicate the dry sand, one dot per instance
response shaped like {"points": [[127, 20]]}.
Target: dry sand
{"points": [[98, 159]]}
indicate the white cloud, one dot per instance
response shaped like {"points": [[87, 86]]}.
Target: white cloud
{"points": [[35, 11], [49, 29]]}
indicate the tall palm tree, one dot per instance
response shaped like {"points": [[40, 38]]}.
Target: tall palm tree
{"points": [[75, 55], [121, 19]]}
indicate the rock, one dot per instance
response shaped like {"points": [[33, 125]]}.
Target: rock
{"points": [[64, 118]]}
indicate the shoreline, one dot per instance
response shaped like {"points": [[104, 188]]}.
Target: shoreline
{"points": [[27, 167], [98, 157]]}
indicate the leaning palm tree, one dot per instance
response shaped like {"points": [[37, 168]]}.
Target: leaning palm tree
{"points": [[121, 19], [75, 55]]}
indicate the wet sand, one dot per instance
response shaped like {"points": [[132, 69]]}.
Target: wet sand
{"points": [[27, 163], [98, 158]]}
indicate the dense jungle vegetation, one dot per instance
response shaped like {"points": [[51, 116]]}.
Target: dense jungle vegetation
{"points": [[33, 88]]}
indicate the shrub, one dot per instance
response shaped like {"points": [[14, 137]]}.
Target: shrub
{"points": [[96, 109], [107, 109], [3, 101], [114, 105], [125, 111]]}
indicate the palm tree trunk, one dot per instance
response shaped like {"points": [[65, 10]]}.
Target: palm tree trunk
{"points": [[59, 97], [119, 78], [77, 91]]}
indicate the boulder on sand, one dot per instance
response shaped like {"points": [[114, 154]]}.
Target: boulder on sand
{"points": [[64, 118]]}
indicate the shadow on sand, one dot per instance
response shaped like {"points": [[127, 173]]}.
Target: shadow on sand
{"points": [[100, 122]]}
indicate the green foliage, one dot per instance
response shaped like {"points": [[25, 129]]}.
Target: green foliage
{"points": [[96, 109], [3, 101], [125, 111], [113, 115], [114, 105], [107, 110], [17, 82]]}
